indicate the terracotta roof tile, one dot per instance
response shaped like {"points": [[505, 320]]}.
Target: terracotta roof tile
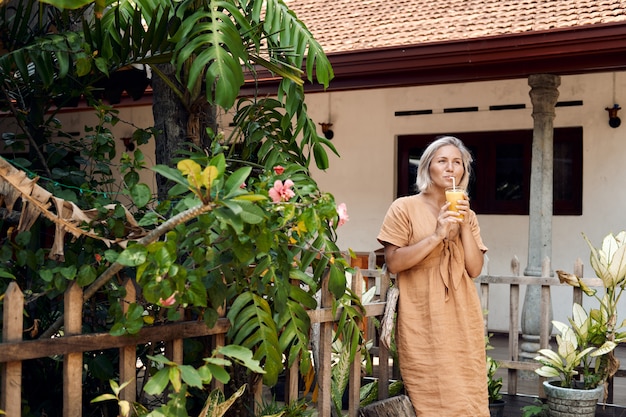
{"points": [[350, 25]]}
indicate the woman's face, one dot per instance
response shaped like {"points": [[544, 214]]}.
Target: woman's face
{"points": [[446, 164]]}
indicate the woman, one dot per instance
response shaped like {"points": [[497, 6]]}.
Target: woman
{"points": [[435, 253]]}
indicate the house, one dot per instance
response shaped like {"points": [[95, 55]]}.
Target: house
{"points": [[409, 70]]}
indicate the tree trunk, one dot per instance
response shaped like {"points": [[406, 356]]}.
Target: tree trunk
{"points": [[399, 406], [176, 126]]}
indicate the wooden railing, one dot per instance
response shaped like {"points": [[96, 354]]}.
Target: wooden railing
{"points": [[72, 345]]}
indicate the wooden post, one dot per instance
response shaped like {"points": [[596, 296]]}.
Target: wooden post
{"points": [[128, 354], [292, 375], [218, 340], [514, 327], [577, 294], [73, 362], [484, 299], [355, 367], [546, 318], [11, 374], [324, 401], [383, 353]]}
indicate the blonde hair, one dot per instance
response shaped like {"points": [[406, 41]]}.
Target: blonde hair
{"points": [[423, 172]]}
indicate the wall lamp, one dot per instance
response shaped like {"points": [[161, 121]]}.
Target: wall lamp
{"points": [[614, 121], [327, 131], [128, 144]]}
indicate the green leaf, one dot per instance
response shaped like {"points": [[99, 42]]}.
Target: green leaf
{"points": [[227, 216], [233, 185], [253, 327], [248, 212], [86, 275], [104, 397], [68, 272], [218, 373], [133, 255], [6, 274], [250, 197], [190, 376], [83, 66], [337, 281], [171, 174], [303, 277], [117, 329], [217, 46], [286, 31], [321, 157], [68, 4], [162, 360], [151, 218], [23, 238], [141, 195], [241, 355], [158, 382]]}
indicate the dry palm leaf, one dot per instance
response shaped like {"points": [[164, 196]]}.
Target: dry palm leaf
{"points": [[36, 201], [387, 324]]}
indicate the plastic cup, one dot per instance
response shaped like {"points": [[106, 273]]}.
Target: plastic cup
{"points": [[453, 195]]}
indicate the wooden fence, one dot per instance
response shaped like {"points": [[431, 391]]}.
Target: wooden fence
{"points": [[513, 364], [72, 345]]}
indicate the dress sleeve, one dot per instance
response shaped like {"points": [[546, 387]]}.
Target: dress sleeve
{"points": [[396, 227]]}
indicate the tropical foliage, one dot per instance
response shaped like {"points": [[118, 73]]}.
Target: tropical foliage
{"points": [[245, 231], [588, 342], [494, 383]]}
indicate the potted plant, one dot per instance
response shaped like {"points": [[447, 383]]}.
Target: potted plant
{"points": [[494, 385], [585, 358]]}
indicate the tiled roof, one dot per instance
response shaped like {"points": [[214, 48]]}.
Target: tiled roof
{"points": [[353, 25]]}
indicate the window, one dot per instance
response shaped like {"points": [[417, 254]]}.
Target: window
{"points": [[501, 169]]}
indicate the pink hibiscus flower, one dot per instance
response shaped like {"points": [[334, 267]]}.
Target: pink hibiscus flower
{"points": [[281, 192], [169, 301], [342, 211]]}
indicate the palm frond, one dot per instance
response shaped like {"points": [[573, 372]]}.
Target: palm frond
{"points": [[253, 327], [286, 32]]}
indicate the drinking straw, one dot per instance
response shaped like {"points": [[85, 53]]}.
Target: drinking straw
{"points": [[453, 184]]}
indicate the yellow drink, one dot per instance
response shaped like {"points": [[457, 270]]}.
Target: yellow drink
{"points": [[453, 195]]}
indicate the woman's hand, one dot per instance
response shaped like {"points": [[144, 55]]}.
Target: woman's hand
{"points": [[463, 207], [448, 218]]}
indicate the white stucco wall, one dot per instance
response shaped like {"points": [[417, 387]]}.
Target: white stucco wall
{"points": [[364, 176]]}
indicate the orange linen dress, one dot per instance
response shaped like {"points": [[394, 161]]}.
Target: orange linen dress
{"points": [[439, 330]]}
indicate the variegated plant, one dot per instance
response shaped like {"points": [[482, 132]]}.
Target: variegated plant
{"points": [[586, 347]]}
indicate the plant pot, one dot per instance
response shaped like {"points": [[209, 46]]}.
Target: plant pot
{"points": [[496, 408], [571, 402]]}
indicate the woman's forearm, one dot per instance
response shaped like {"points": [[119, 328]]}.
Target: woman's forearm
{"points": [[400, 259], [473, 255]]}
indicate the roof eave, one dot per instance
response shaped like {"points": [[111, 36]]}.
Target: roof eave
{"points": [[585, 49]]}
